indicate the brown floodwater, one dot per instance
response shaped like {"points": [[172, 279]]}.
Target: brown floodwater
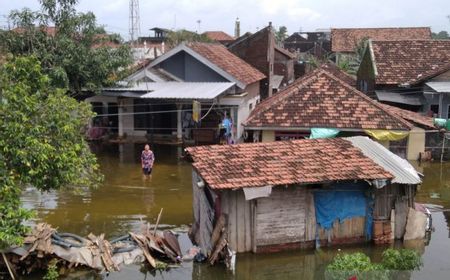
{"points": [[125, 199]]}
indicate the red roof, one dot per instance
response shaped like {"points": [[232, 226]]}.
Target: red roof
{"points": [[283, 162], [227, 61], [219, 36], [336, 71], [410, 61], [322, 100], [346, 39], [414, 117]]}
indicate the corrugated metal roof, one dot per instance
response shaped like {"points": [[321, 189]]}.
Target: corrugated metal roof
{"points": [[439, 86], [396, 97], [403, 171], [171, 90]]}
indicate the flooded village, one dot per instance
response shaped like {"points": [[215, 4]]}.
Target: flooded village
{"points": [[233, 153]]}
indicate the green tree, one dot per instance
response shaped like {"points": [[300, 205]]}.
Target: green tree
{"points": [[281, 34], [41, 141], [174, 38], [350, 63], [71, 53], [440, 35]]}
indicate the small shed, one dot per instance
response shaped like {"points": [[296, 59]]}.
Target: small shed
{"points": [[295, 194]]}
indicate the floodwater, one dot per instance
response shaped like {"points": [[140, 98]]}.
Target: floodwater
{"points": [[125, 199]]}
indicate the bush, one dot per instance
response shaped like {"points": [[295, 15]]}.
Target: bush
{"points": [[357, 264], [403, 259], [395, 264]]}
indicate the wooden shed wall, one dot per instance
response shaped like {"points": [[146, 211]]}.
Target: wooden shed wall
{"points": [[385, 199], [203, 216], [281, 218], [287, 216], [240, 219]]}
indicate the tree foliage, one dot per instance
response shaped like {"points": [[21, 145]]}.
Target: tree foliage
{"points": [[175, 38], [70, 45], [395, 264], [41, 141], [440, 35], [350, 63], [281, 34]]}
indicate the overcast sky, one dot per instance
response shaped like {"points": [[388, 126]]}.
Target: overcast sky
{"points": [[305, 15]]}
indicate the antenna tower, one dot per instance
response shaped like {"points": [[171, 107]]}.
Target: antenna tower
{"points": [[134, 23]]}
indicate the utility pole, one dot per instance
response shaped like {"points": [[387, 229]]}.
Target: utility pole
{"points": [[134, 21], [199, 22]]}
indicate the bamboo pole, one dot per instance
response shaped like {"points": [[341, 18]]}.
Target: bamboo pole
{"points": [[9, 268], [157, 221]]}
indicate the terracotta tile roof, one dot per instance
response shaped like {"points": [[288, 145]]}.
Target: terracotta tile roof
{"points": [[219, 36], [336, 71], [410, 61], [414, 117], [345, 39], [227, 61], [283, 162], [322, 100]]}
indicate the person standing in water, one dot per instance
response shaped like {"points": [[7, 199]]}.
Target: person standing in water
{"points": [[147, 160]]}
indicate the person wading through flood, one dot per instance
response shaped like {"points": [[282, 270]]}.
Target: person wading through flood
{"points": [[147, 159]]}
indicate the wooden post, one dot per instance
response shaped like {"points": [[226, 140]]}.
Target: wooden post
{"points": [[443, 148], [179, 124]]}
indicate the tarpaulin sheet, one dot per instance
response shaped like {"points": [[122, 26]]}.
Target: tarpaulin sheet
{"points": [[319, 133], [387, 135], [343, 201]]}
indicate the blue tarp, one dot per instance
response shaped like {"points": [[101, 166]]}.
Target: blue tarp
{"points": [[343, 201]]}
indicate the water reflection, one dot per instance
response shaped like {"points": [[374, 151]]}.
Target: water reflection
{"points": [[124, 199]]}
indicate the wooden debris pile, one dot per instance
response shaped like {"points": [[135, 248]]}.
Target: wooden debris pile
{"points": [[44, 243]]}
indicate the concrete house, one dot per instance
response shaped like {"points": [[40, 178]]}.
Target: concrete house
{"points": [[299, 193], [261, 51], [410, 74], [345, 40], [162, 98]]}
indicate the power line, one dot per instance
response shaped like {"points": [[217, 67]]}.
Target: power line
{"points": [[158, 112]]}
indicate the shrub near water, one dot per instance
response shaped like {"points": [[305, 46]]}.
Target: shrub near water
{"points": [[357, 264], [401, 259], [393, 266]]}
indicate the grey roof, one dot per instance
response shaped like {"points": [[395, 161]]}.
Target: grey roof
{"points": [[276, 81], [403, 171], [439, 86], [396, 97], [171, 90]]}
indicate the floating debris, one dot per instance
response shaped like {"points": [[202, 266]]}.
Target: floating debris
{"points": [[158, 248]]}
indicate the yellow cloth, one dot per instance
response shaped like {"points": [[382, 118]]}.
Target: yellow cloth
{"points": [[387, 135], [196, 111]]}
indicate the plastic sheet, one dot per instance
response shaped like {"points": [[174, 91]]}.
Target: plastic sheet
{"points": [[387, 135], [344, 201], [319, 133]]}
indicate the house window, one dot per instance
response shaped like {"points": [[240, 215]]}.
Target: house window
{"points": [[250, 106]]}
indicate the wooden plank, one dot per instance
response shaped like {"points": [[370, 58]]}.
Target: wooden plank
{"points": [[240, 208], [310, 231], [248, 226], [232, 220], [280, 218]]}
